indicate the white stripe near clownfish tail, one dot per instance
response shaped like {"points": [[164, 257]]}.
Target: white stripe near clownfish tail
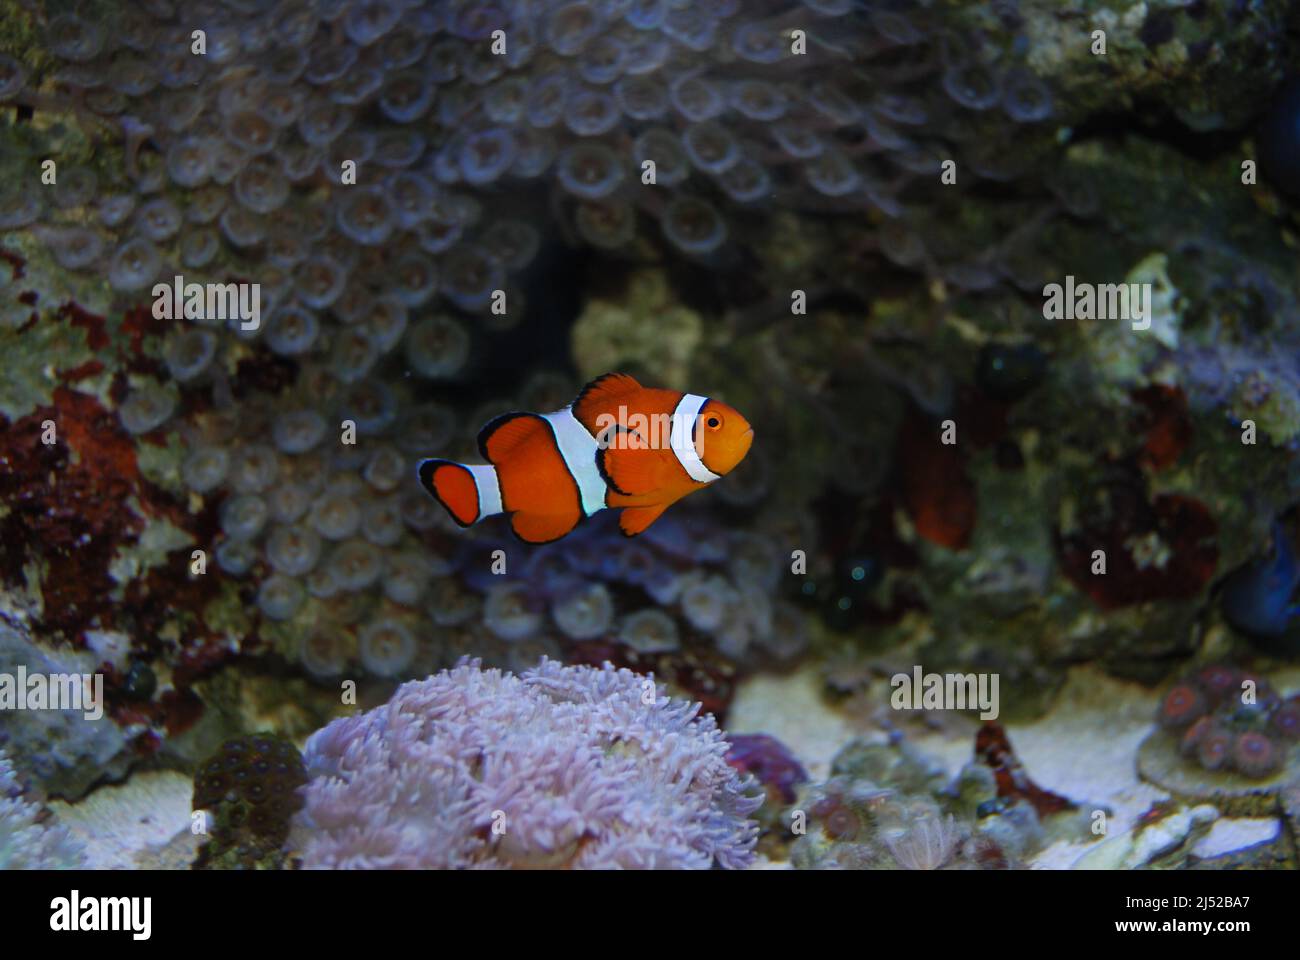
{"points": [[489, 489], [469, 492]]}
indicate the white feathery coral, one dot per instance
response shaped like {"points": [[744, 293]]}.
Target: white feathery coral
{"points": [[560, 767], [26, 843]]}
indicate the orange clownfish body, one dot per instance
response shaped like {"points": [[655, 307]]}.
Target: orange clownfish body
{"points": [[618, 445]]}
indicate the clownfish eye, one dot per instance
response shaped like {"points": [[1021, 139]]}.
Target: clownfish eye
{"points": [[713, 422]]}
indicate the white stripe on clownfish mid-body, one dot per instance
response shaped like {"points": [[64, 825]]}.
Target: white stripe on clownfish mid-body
{"points": [[683, 438], [578, 449]]}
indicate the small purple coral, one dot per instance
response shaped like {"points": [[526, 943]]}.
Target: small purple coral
{"points": [[770, 761], [561, 766]]}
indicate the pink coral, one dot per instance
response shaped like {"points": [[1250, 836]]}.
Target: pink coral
{"points": [[558, 767]]}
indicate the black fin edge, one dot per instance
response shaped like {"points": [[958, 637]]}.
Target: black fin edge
{"points": [[539, 543], [486, 433], [426, 471], [496, 423], [582, 394], [600, 463], [629, 536]]}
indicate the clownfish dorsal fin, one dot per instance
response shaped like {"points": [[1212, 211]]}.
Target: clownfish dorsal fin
{"points": [[504, 434], [603, 394], [634, 520], [630, 471]]}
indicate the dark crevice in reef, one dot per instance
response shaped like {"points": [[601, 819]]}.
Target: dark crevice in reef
{"points": [[552, 288], [1165, 128], [712, 292]]}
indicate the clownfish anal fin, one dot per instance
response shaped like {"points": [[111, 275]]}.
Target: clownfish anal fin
{"points": [[627, 466], [603, 393], [541, 527], [634, 520], [504, 434]]}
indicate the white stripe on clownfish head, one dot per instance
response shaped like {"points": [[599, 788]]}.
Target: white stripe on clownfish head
{"points": [[578, 449], [682, 438]]}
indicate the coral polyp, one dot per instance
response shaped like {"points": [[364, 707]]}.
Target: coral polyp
{"points": [[1231, 720]]}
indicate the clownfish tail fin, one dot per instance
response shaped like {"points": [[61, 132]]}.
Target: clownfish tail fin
{"points": [[469, 493]]}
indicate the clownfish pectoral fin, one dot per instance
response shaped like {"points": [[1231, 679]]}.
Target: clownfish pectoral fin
{"points": [[542, 527], [603, 393], [634, 520], [627, 466], [468, 493]]}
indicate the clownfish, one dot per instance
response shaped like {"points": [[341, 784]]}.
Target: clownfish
{"points": [[618, 445]]}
